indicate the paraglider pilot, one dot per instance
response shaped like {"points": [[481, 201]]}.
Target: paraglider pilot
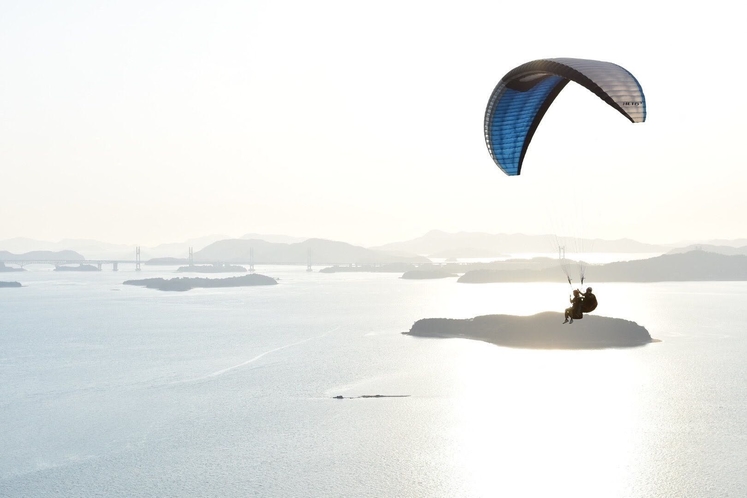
{"points": [[575, 310], [580, 304], [588, 301]]}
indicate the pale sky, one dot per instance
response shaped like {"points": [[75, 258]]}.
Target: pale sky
{"points": [[145, 122]]}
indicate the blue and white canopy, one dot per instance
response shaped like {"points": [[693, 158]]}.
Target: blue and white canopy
{"points": [[522, 97]]}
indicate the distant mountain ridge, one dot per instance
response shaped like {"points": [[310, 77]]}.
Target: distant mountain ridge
{"points": [[718, 249], [315, 251], [690, 266], [42, 256], [434, 244], [472, 243], [280, 239], [93, 249]]}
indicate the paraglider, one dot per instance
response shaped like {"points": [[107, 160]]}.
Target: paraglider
{"points": [[522, 97]]}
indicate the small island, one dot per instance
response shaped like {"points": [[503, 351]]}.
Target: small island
{"points": [[214, 268], [166, 261], [10, 284], [384, 268], [372, 396], [186, 283], [9, 269], [540, 331], [77, 268], [427, 274]]}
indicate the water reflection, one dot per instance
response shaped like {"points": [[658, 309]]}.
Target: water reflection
{"points": [[531, 422]]}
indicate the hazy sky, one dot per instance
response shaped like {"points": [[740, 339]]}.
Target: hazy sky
{"points": [[149, 122]]}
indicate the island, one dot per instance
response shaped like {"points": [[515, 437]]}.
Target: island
{"points": [[9, 269], [427, 274], [10, 284], [77, 268], [166, 261], [383, 268], [540, 331], [372, 396], [187, 283], [214, 268]]}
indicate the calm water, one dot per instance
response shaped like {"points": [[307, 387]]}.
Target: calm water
{"points": [[111, 390]]}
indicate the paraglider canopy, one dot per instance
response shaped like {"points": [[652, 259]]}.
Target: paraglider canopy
{"points": [[522, 97]]}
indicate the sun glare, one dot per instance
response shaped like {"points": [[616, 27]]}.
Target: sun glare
{"points": [[536, 420]]}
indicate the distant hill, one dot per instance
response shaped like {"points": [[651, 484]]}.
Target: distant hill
{"points": [[317, 251], [468, 252], [278, 239], [434, 244], [179, 249], [718, 249], [42, 256], [438, 242], [717, 242], [690, 266], [94, 249], [91, 249]]}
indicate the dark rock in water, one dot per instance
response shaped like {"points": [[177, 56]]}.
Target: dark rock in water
{"points": [[185, 284], [10, 284], [541, 331]]}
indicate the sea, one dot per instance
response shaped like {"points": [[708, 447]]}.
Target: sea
{"points": [[114, 390]]}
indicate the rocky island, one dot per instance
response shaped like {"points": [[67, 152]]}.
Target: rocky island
{"points": [[540, 331], [186, 283]]}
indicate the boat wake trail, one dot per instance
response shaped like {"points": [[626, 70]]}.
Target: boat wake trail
{"points": [[252, 360]]}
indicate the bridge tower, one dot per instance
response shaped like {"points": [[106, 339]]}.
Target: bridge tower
{"points": [[191, 257], [137, 258], [251, 260]]}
